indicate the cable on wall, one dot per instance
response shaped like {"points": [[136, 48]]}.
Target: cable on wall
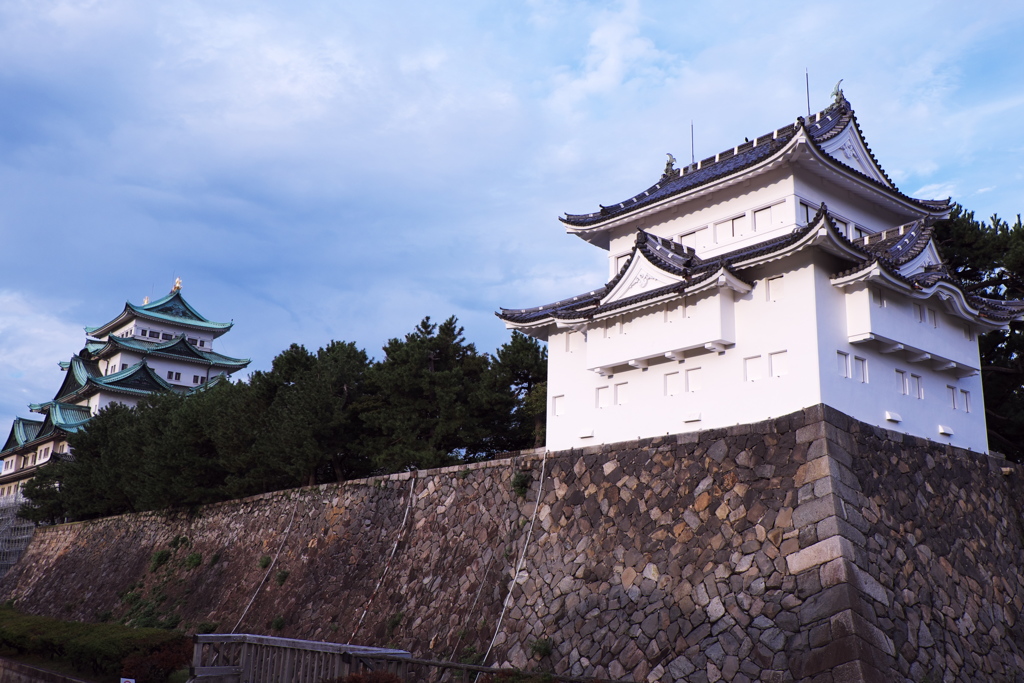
{"points": [[387, 565], [522, 558], [270, 568]]}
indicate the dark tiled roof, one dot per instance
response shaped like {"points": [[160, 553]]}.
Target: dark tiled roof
{"points": [[820, 127], [666, 255]]}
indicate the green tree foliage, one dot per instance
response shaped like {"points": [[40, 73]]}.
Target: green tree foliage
{"points": [[521, 367], [989, 259], [312, 418], [432, 400]]}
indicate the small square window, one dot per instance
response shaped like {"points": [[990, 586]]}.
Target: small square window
{"points": [[202, 342], [673, 384], [774, 288], [860, 369], [195, 379], [170, 375], [778, 364], [558, 406], [843, 364], [621, 393], [693, 380], [603, 397], [752, 368]]}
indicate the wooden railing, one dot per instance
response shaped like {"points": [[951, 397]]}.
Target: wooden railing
{"points": [[264, 659], [241, 658]]}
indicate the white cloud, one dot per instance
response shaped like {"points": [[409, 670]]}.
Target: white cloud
{"points": [[33, 338]]}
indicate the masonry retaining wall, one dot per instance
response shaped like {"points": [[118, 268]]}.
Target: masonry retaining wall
{"points": [[810, 547]]}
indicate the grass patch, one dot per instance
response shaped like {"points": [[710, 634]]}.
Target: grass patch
{"points": [[264, 561], [159, 559], [193, 560]]}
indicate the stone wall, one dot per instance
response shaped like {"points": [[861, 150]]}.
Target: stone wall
{"points": [[810, 547]]}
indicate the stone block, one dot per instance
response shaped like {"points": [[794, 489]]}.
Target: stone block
{"points": [[810, 432], [815, 510], [835, 526]]}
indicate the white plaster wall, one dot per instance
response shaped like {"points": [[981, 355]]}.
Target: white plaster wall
{"points": [[637, 404], [870, 401]]}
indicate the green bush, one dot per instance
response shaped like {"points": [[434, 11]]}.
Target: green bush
{"points": [[277, 623], [264, 561], [101, 649], [159, 559], [521, 483], [541, 647], [193, 560], [281, 577]]}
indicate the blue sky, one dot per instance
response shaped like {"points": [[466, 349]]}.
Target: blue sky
{"points": [[338, 170]]}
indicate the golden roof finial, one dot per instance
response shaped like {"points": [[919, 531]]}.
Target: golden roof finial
{"points": [[177, 284], [145, 300]]}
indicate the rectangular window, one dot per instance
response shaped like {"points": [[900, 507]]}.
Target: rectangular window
{"points": [[734, 227], [693, 380], [142, 332], [805, 213], [773, 288], [558, 406], [965, 401], [620, 261], [202, 380], [860, 369], [193, 341], [195, 379], [902, 382], [170, 375], [951, 395], [153, 334], [933, 318], [919, 313], [603, 397], [916, 386], [968, 332], [124, 366], [778, 364], [840, 225], [843, 364], [202, 342], [763, 219], [856, 233], [166, 336], [621, 394], [177, 376], [675, 312], [752, 368], [877, 297], [673, 384]]}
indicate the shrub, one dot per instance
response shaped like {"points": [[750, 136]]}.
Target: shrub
{"points": [[159, 559], [89, 648], [264, 561], [281, 577], [207, 627], [541, 647], [155, 666], [521, 483], [193, 560], [277, 624], [180, 542]]}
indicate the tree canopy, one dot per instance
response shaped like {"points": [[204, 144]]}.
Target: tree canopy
{"points": [[312, 418]]}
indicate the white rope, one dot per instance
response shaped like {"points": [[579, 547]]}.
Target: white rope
{"points": [[401, 535], [270, 568], [522, 559]]}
